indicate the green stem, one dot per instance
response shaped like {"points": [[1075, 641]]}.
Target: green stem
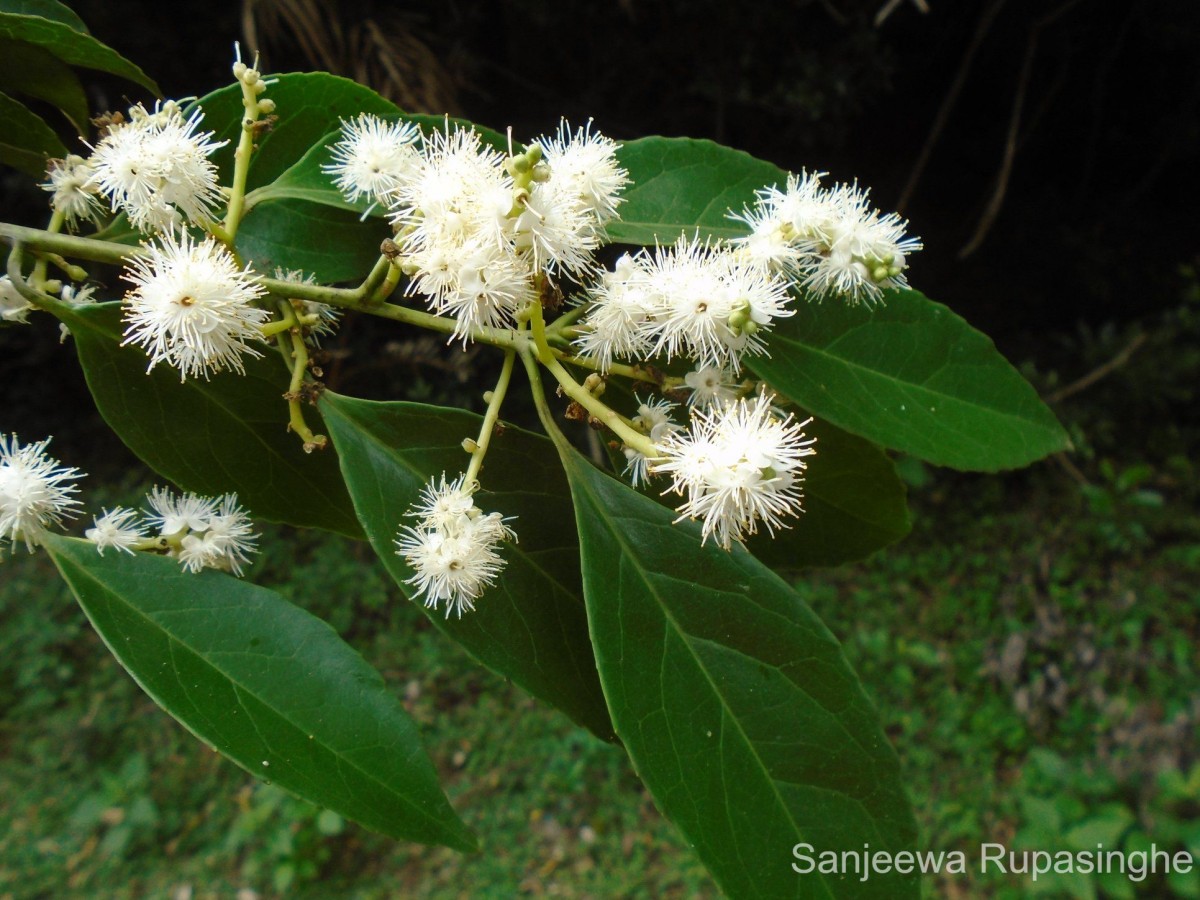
{"points": [[358, 299], [38, 276], [636, 373], [72, 271], [299, 356], [488, 428], [388, 285], [241, 163], [35, 297], [539, 400], [595, 407], [567, 318]]}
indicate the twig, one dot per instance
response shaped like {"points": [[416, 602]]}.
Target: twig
{"points": [[948, 102], [1099, 372], [996, 201], [890, 7]]}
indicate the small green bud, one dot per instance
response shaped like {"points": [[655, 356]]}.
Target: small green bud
{"points": [[258, 87], [239, 69], [249, 76], [879, 273], [266, 106], [53, 286], [488, 396], [470, 445], [739, 319], [541, 172], [519, 164], [534, 153]]}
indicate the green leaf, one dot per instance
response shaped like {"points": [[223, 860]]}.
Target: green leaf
{"points": [[309, 106], [531, 626], [854, 504], [267, 685], [734, 701], [683, 184], [305, 180], [225, 434], [71, 45], [37, 73], [330, 244], [47, 9], [911, 375], [25, 140]]}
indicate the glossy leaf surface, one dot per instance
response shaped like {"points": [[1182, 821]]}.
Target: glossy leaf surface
{"points": [[228, 433], [685, 185], [267, 685], [734, 701], [911, 375]]}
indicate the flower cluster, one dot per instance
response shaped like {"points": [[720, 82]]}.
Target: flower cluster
{"points": [[451, 549], [738, 465], [191, 307], [700, 300], [201, 532], [477, 229], [830, 240], [35, 491], [155, 166], [73, 190]]}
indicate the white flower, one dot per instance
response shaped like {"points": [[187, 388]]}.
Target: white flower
{"points": [[555, 230], [156, 168], [73, 296], [225, 543], [119, 528], [451, 548], [203, 532], [191, 307], [653, 419], [737, 465], [173, 514], [373, 157], [13, 307], [711, 386], [480, 284], [863, 252], [35, 492], [830, 240], [74, 193], [574, 192], [707, 304], [585, 167], [618, 324]]}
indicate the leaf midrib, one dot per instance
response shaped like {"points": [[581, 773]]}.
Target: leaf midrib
{"points": [[919, 386], [242, 425], [237, 684], [685, 640]]}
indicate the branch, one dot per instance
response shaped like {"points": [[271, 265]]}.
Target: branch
{"points": [[1099, 372]]}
